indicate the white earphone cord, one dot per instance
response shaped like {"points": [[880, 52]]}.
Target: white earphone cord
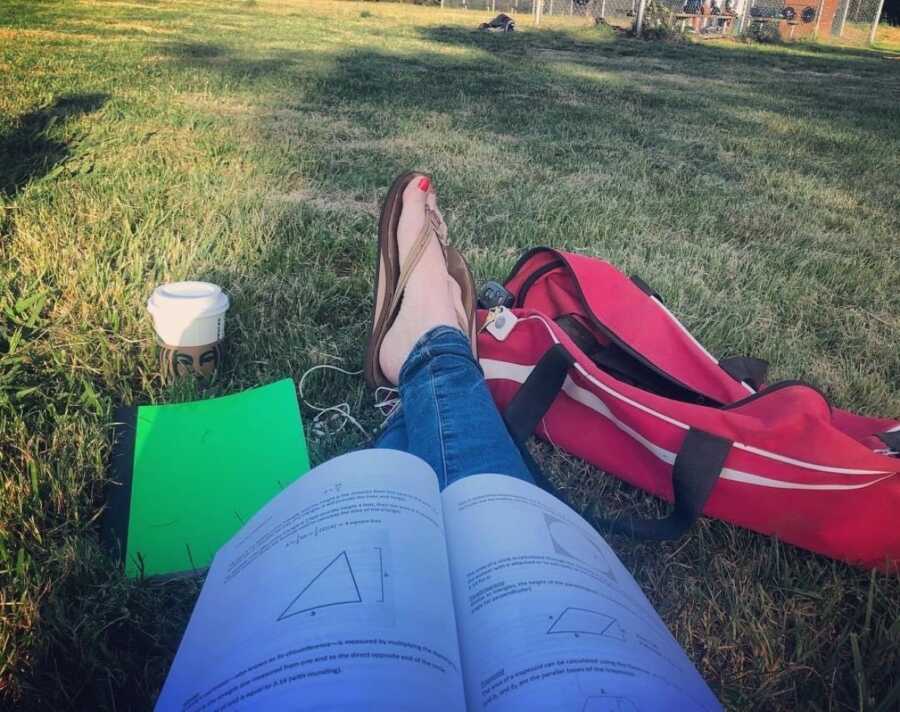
{"points": [[386, 400]]}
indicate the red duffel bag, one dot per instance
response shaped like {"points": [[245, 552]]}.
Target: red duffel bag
{"points": [[593, 361]]}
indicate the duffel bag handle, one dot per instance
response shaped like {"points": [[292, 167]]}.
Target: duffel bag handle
{"points": [[748, 369], [694, 473]]}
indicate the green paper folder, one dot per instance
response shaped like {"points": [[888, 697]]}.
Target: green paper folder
{"points": [[187, 476]]}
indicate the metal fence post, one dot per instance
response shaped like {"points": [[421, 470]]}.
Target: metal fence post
{"points": [[875, 22], [818, 19], [639, 21], [747, 5], [846, 8]]}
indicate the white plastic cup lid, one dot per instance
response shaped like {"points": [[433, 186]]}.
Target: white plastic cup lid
{"points": [[179, 309]]}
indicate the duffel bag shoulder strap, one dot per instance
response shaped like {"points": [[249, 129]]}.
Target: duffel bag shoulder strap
{"points": [[632, 318], [695, 471]]}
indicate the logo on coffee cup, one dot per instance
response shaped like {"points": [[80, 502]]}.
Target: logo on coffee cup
{"points": [[189, 318], [180, 361]]}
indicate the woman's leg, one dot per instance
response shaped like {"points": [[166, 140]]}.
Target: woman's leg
{"points": [[451, 420], [448, 417], [393, 433]]}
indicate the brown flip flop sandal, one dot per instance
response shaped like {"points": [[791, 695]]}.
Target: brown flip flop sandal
{"points": [[460, 273], [391, 277]]}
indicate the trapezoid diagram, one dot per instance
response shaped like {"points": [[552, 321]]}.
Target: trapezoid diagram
{"points": [[608, 703], [334, 585], [581, 621], [568, 540]]}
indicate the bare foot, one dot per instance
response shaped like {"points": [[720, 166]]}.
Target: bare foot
{"points": [[428, 299]]}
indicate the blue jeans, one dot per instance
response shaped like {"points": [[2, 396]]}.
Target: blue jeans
{"points": [[447, 416]]}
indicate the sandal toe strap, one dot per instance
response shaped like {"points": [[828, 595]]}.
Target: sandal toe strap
{"points": [[434, 227]]}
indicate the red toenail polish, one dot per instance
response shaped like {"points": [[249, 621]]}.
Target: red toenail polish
{"points": [[424, 184]]}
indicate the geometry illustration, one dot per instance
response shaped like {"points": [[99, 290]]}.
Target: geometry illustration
{"points": [[606, 703], [570, 541], [334, 585], [582, 621]]}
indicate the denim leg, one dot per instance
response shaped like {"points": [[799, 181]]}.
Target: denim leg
{"points": [[393, 435], [451, 420]]}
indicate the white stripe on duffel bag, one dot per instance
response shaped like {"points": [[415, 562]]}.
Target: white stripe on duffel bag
{"points": [[684, 426], [700, 346], [504, 370]]}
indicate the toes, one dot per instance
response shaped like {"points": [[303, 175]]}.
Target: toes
{"points": [[414, 200], [431, 198], [412, 215], [431, 201], [413, 195]]}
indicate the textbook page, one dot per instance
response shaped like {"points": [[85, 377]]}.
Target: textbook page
{"points": [[548, 617], [335, 596]]}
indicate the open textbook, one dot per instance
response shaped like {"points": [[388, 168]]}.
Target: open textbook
{"points": [[363, 587]]}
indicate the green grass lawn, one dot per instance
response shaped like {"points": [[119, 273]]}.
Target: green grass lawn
{"points": [[248, 143]]}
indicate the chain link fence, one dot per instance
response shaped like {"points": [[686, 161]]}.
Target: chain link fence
{"points": [[854, 21], [832, 21], [510, 7]]}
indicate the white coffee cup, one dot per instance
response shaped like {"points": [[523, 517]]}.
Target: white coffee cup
{"points": [[189, 318], [188, 313]]}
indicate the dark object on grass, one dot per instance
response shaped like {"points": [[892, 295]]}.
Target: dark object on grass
{"points": [[789, 13], [494, 294], [501, 23], [808, 14]]}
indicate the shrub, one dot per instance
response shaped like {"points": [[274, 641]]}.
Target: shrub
{"points": [[765, 32], [660, 24]]}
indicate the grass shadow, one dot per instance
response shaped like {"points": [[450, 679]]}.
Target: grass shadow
{"points": [[28, 152], [231, 63]]}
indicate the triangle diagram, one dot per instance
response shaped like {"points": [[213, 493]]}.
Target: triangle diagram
{"points": [[569, 541], [614, 630], [334, 585]]}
